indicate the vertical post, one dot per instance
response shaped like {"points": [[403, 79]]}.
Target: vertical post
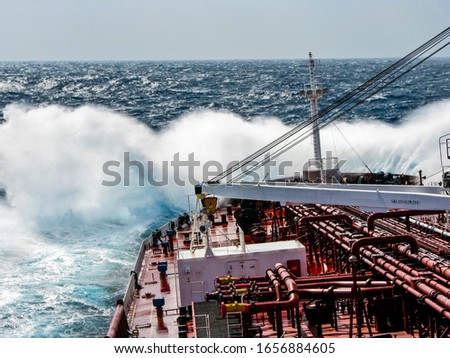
{"points": [[353, 261], [313, 92], [297, 322], [279, 323], [314, 111]]}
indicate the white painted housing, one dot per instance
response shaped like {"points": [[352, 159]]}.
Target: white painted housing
{"points": [[197, 273]]}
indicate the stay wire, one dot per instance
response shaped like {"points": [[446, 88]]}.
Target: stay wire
{"points": [[347, 100], [361, 100], [323, 125], [354, 150], [306, 135]]}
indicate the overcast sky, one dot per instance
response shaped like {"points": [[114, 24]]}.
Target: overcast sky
{"points": [[213, 29]]}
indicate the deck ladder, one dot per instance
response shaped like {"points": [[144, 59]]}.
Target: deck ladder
{"points": [[234, 325], [202, 326], [197, 291]]}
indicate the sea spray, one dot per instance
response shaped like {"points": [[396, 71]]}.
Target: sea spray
{"points": [[405, 147], [53, 158], [67, 242]]}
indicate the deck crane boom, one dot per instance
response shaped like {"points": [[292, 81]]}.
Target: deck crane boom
{"points": [[370, 197], [374, 197]]}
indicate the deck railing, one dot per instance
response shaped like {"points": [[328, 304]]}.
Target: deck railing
{"points": [[145, 245]]}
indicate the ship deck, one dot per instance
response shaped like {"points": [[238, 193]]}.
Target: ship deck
{"points": [[327, 261], [144, 320]]}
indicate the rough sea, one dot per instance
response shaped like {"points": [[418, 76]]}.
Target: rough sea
{"points": [[68, 241]]}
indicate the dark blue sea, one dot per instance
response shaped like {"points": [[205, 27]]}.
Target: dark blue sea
{"points": [[69, 231]]}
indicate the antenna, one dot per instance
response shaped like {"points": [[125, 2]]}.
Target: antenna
{"points": [[313, 92]]}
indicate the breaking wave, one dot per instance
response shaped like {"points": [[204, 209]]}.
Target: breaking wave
{"points": [[67, 241], [52, 157]]}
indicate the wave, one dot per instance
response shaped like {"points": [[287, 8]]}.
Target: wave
{"points": [[53, 157], [67, 241], [406, 147]]}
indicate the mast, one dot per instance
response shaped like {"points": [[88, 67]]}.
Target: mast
{"points": [[313, 92]]}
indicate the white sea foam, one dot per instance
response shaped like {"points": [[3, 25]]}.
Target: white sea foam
{"points": [[52, 157], [407, 147], [52, 160]]}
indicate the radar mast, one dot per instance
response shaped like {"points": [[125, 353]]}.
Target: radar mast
{"points": [[313, 91]]}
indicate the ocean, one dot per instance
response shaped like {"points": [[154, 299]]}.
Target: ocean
{"points": [[69, 233]]}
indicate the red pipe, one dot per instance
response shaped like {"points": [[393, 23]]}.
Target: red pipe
{"points": [[416, 282], [397, 214], [326, 277], [445, 290], [276, 284], [420, 296], [434, 265], [366, 283], [436, 291], [307, 219], [371, 240], [342, 292], [412, 284], [292, 302]]}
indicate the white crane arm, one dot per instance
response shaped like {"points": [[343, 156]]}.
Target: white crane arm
{"points": [[373, 197]]}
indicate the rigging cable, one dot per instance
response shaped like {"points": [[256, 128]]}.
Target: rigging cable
{"points": [[348, 108], [354, 150], [348, 102]]}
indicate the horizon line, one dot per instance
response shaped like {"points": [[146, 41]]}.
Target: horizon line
{"points": [[205, 60]]}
